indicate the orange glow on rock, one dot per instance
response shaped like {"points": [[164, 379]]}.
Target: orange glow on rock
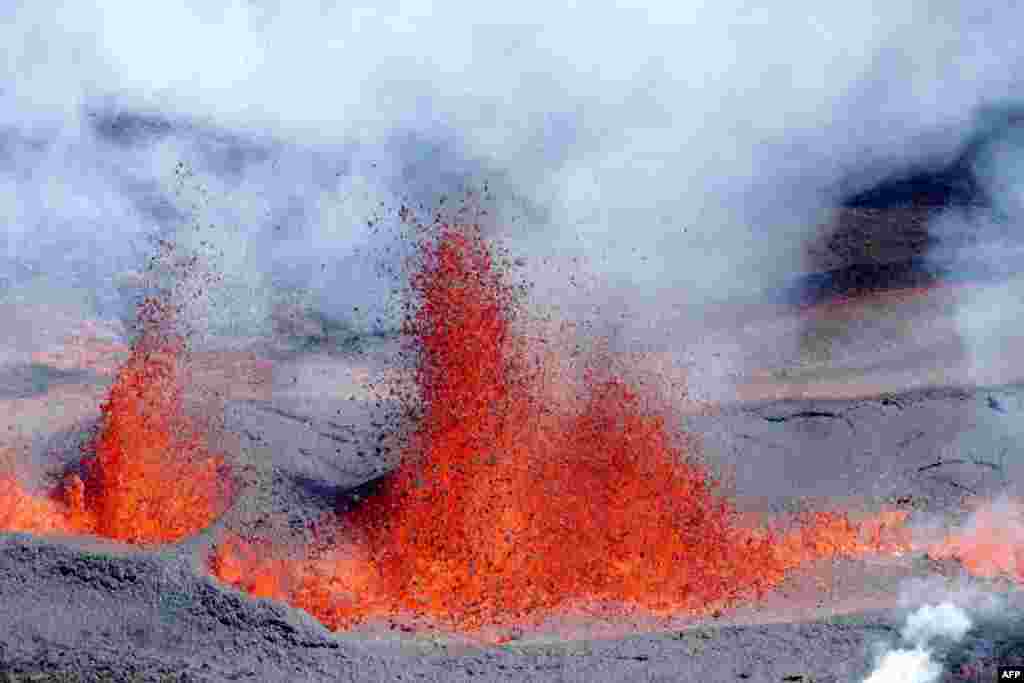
{"points": [[21, 511]]}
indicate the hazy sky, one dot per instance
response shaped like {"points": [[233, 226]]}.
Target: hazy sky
{"points": [[683, 149]]}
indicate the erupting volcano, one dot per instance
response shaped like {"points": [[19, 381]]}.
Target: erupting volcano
{"points": [[147, 477], [514, 502]]}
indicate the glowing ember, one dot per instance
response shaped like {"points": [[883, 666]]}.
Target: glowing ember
{"points": [[511, 504], [148, 478], [991, 544], [151, 479], [20, 511]]}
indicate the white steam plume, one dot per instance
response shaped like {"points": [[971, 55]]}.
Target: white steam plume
{"points": [[923, 627], [683, 149]]}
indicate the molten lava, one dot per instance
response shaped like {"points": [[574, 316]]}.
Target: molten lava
{"points": [[147, 478], [150, 479], [511, 504], [21, 511], [991, 544]]}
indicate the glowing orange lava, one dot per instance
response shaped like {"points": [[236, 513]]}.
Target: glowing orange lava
{"points": [[20, 511], [991, 544], [147, 478], [510, 505]]}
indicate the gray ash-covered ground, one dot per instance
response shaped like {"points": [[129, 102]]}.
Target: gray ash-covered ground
{"points": [[94, 609], [102, 612]]}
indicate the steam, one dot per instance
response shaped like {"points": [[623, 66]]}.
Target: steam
{"points": [[985, 242], [941, 613], [987, 313], [681, 151], [928, 624]]}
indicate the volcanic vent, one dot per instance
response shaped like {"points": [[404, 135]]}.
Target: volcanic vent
{"points": [[146, 477], [513, 502]]}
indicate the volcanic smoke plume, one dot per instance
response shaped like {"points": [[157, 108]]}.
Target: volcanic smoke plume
{"points": [[916, 665], [511, 504], [147, 476]]}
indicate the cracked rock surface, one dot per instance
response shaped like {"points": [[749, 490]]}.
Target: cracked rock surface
{"points": [[931, 445]]}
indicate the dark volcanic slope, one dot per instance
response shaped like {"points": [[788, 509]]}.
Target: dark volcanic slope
{"points": [[865, 249], [97, 614], [90, 608], [86, 607], [130, 617]]}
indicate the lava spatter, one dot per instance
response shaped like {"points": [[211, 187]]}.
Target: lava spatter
{"points": [[991, 543], [510, 505], [147, 477]]}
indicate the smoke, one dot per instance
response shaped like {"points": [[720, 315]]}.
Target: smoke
{"points": [[916, 665], [988, 314], [950, 621], [681, 153], [993, 244], [983, 242]]}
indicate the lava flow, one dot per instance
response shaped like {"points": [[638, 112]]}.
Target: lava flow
{"points": [[514, 502], [991, 544], [147, 477]]}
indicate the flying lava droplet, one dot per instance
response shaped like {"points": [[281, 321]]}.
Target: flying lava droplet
{"points": [[511, 504]]}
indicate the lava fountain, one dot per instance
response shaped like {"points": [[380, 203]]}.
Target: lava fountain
{"points": [[147, 476], [511, 505], [991, 543]]}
